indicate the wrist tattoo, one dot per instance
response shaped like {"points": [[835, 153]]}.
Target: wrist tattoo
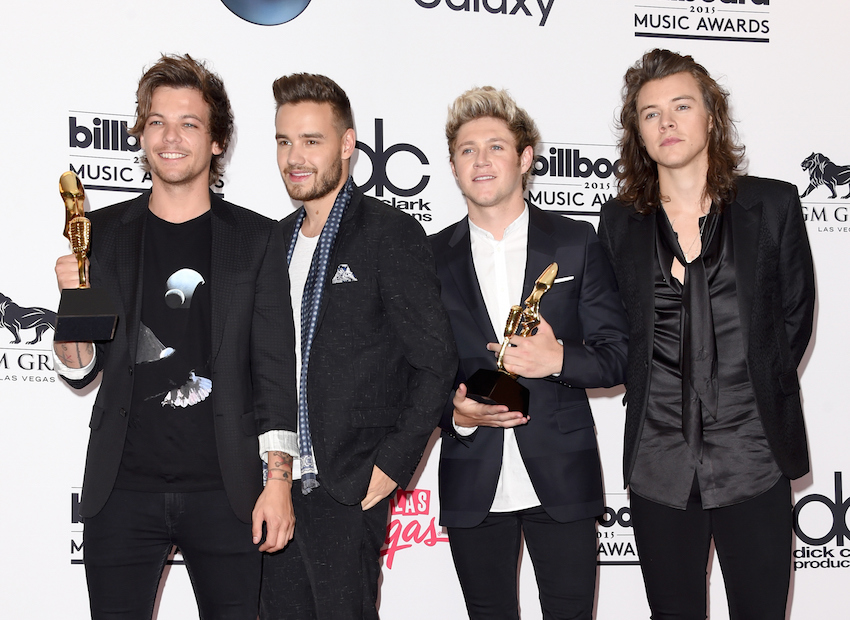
{"points": [[285, 476], [280, 459]]}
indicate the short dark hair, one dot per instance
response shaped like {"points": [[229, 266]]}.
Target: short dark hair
{"points": [[638, 173], [301, 87], [176, 71]]}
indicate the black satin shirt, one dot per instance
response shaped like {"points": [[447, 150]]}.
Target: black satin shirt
{"points": [[737, 462]]}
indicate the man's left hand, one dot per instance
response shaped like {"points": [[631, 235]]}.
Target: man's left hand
{"points": [[274, 507], [380, 486], [533, 357]]}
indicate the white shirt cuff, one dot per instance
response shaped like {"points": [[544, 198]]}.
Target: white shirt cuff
{"points": [[74, 374], [279, 441], [463, 431]]}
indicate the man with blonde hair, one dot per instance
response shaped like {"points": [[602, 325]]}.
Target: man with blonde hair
{"points": [[508, 474]]}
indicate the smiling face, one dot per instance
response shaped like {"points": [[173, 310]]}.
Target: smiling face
{"points": [[674, 124], [311, 153], [487, 166], [176, 137]]}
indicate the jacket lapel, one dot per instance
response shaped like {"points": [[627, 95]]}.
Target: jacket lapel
{"points": [[642, 237], [541, 251], [225, 262], [129, 261], [746, 223], [462, 270]]}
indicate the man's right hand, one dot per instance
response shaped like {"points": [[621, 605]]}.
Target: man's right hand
{"points": [[72, 354], [68, 273], [471, 413]]}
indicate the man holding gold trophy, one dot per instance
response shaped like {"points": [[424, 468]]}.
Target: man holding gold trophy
{"points": [[513, 471], [201, 364]]}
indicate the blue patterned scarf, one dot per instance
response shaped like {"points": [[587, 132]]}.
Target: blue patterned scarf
{"points": [[311, 303]]}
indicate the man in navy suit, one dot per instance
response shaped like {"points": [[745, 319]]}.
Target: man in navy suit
{"points": [[505, 474]]}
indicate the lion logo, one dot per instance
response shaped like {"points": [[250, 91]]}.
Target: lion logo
{"points": [[824, 172], [15, 318]]}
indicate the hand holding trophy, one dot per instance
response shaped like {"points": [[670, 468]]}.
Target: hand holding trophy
{"points": [[85, 314], [500, 386]]}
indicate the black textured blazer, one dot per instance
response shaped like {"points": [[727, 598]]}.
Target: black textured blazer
{"points": [[776, 298], [383, 357], [253, 343]]}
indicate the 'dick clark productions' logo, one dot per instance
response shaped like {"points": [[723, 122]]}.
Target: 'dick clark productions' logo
{"points": [[826, 199], [573, 179], [266, 12], [745, 21], [536, 9], [820, 523], [397, 174], [27, 357]]}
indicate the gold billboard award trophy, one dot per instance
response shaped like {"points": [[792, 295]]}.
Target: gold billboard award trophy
{"points": [[85, 314], [500, 387]]}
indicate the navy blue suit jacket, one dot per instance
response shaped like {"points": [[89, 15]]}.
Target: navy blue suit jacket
{"points": [[558, 444]]}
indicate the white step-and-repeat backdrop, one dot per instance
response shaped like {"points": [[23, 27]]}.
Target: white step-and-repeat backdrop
{"points": [[69, 74]]}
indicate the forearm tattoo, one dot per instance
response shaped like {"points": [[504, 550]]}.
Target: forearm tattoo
{"points": [[280, 466], [71, 353]]}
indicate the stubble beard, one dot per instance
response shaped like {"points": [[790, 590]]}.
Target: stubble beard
{"points": [[325, 184]]}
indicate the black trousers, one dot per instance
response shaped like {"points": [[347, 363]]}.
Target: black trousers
{"points": [[753, 543], [129, 540], [486, 558], [330, 570]]}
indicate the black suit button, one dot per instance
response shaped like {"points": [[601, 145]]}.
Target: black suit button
{"points": [[130, 370], [123, 412]]}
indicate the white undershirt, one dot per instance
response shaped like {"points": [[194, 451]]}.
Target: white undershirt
{"points": [[500, 268]]}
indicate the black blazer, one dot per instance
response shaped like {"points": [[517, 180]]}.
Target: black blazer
{"points": [[383, 358], [558, 444], [252, 344], [776, 297]]}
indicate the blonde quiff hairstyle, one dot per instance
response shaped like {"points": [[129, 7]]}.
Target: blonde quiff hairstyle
{"points": [[486, 101]]}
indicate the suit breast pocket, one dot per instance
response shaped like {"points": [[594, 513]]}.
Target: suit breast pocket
{"points": [[573, 417]]}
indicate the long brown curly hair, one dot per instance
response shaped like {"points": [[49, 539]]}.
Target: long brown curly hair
{"points": [[638, 173]]}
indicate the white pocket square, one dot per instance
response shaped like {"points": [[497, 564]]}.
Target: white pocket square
{"points": [[343, 274], [564, 279]]}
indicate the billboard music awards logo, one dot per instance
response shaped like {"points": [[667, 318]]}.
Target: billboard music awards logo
{"points": [[615, 538], [266, 12], [410, 524], [104, 154], [820, 523], [26, 359], [706, 20], [825, 201], [396, 169], [524, 8], [573, 179]]}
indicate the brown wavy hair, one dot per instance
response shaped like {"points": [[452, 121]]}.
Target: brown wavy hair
{"points": [[489, 102], [184, 71], [638, 173]]}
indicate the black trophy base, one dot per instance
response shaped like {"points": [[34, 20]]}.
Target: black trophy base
{"points": [[85, 315], [492, 387]]}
